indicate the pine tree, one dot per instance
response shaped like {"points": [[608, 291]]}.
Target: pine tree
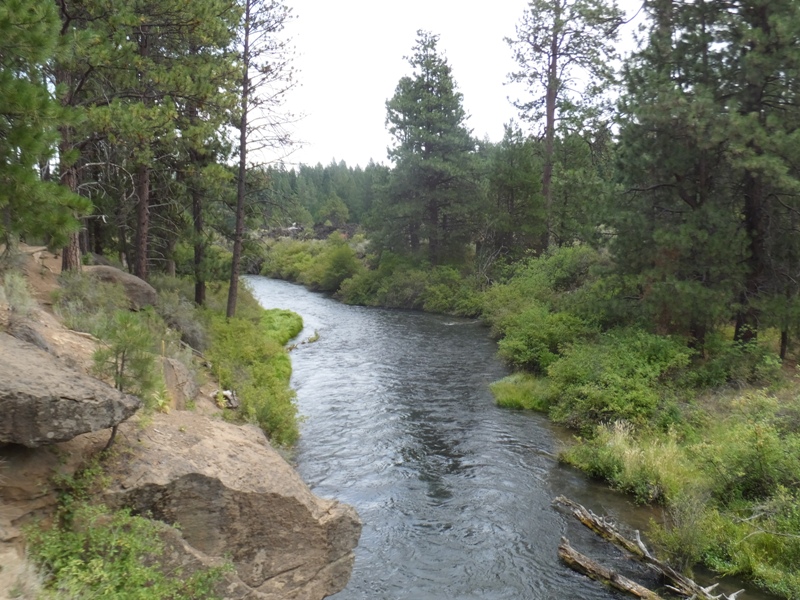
{"points": [[266, 77], [565, 49], [431, 184], [29, 118], [709, 153]]}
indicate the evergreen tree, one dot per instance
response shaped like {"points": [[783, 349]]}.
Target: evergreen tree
{"points": [[516, 221], [565, 49], [265, 78], [431, 185], [29, 118], [709, 156]]}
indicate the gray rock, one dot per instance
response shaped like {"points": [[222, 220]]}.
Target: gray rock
{"points": [[43, 402], [140, 293], [233, 496], [24, 329]]}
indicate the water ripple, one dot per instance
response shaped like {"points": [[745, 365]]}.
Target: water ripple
{"points": [[454, 492]]}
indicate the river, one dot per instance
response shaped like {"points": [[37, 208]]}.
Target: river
{"points": [[454, 492]]}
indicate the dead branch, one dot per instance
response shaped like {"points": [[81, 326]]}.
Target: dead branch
{"points": [[678, 583], [583, 564]]}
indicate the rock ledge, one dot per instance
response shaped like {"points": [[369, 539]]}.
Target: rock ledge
{"points": [[43, 402], [234, 496]]}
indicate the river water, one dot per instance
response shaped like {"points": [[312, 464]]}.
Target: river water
{"points": [[454, 492]]}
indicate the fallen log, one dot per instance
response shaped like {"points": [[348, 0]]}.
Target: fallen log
{"points": [[585, 565], [678, 583]]}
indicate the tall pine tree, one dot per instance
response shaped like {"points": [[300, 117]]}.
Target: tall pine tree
{"points": [[431, 185]]}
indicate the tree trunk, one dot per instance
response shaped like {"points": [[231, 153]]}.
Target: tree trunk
{"points": [[199, 248], [549, 140], [434, 241], [583, 564], [784, 343], [238, 233], [71, 253], [754, 204], [142, 220]]}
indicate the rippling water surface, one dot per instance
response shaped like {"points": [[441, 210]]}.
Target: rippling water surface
{"points": [[454, 492]]}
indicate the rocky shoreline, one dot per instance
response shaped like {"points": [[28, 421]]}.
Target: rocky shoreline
{"points": [[233, 496]]}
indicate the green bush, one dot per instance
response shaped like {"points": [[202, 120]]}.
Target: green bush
{"points": [[449, 292], [549, 281], [730, 362], [289, 259], [750, 453], [334, 263], [93, 552], [622, 376], [758, 542], [86, 304], [683, 540], [536, 337]]}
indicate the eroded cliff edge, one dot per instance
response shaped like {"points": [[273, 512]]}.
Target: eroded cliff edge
{"points": [[233, 496]]}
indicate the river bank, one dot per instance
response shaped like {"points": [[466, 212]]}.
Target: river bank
{"points": [[177, 462], [454, 491]]}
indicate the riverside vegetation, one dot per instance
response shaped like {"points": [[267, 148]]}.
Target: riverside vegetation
{"points": [[711, 435], [632, 241], [89, 549]]}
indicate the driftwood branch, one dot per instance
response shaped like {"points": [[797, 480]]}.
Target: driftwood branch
{"points": [[582, 564], [678, 583]]}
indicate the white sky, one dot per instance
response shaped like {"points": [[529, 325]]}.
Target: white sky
{"points": [[349, 57]]}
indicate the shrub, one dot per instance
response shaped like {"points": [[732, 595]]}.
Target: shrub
{"points": [[289, 259], [759, 543], [93, 552], [15, 290], [730, 362], [448, 292], [622, 376], [335, 263], [548, 281], [536, 337], [748, 459], [85, 304], [683, 539]]}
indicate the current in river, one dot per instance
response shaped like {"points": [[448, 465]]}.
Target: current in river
{"points": [[455, 493]]}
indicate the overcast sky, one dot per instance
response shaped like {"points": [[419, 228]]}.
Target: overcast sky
{"points": [[350, 56]]}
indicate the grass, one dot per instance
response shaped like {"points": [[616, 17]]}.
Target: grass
{"points": [[729, 481]]}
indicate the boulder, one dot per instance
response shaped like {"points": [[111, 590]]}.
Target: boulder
{"points": [[233, 496], [44, 402], [24, 329], [140, 293]]}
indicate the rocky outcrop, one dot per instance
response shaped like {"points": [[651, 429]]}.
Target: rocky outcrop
{"points": [[180, 383], [234, 496], [43, 402], [140, 293]]}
